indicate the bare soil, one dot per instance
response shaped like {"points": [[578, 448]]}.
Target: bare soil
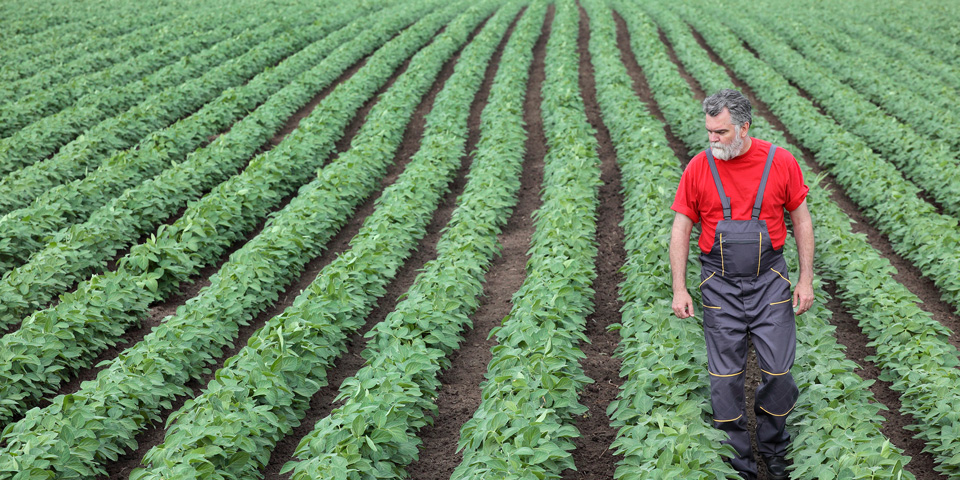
{"points": [[593, 456], [322, 403], [459, 394], [154, 434]]}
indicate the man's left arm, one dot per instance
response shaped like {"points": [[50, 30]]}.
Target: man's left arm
{"points": [[803, 232]]}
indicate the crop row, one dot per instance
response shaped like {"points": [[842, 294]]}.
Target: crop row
{"points": [[97, 110], [47, 37], [919, 31], [871, 39], [81, 249], [660, 412], [55, 51], [912, 348], [410, 346], [303, 342], [46, 28], [834, 401], [523, 426], [146, 377], [919, 102], [44, 95], [156, 112], [928, 162], [64, 256], [35, 20], [90, 318]]}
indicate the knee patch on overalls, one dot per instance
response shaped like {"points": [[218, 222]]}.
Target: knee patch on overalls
{"points": [[777, 394], [727, 397]]}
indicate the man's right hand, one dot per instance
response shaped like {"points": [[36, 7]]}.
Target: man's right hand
{"points": [[682, 305]]}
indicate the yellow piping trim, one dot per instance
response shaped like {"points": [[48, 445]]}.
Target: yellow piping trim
{"points": [[722, 270], [759, 252], [708, 278], [731, 375], [724, 421], [780, 415], [782, 301], [708, 306], [781, 276], [774, 374]]}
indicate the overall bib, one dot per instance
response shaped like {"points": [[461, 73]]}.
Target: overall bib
{"points": [[746, 292]]}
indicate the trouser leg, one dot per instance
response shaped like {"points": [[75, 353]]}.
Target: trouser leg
{"points": [[774, 337], [725, 332]]}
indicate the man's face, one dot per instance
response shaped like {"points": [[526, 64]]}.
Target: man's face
{"points": [[726, 139]]}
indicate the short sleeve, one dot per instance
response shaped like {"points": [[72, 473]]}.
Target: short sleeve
{"points": [[685, 201], [796, 189]]}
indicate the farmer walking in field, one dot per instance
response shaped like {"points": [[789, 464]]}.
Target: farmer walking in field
{"points": [[738, 190]]}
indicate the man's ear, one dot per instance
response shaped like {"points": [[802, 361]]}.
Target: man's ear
{"points": [[744, 129]]}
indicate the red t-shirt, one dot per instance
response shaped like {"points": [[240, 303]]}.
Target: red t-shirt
{"points": [[698, 199]]}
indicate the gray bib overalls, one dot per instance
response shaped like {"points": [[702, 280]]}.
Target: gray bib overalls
{"points": [[746, 292]]}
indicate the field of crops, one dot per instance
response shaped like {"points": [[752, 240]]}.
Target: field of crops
{"points": [[386, 239]]}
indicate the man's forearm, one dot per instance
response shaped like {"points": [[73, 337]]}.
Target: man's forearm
{"points": [[805, 247], [679, 249]]}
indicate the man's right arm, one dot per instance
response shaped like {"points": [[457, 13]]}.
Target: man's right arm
{"points": [[679, 250]]}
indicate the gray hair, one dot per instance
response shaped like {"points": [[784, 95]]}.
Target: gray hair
{"points": [[739, 106]]}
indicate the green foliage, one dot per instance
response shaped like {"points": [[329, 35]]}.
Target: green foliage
{"points": [[261, 392], [662, 410], [928, 162], [80, 250], [409, 347], [174, 92], [81, 46], [922, 103], [97, 113], [87, 320], [523, 426], [929, 240]]}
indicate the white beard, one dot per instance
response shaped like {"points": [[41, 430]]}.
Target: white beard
{"points": [[727, 151]]}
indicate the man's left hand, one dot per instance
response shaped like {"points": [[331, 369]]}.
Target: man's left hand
{"points": [[803, 297]]}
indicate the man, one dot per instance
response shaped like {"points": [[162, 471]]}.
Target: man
{"points": [[738, 190]]}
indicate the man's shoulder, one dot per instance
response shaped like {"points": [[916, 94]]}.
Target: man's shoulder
{"points": [[698, 160], [781, 153]]}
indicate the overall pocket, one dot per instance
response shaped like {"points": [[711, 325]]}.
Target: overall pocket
{"points": [[708, 298], [740, 253]]}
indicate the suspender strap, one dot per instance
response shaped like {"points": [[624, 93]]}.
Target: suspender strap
{"points": [[724, 199], [763, 183]]}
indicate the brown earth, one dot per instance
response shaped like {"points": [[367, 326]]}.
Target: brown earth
{"points": [[154, 434], [459, 394], [593, 456], [322, 403]]}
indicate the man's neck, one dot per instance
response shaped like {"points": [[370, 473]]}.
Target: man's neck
{"points": [[746, 146]]}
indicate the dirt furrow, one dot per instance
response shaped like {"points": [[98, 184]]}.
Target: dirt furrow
{"points": [[643, 90], [322, 403], [190, 288], [460, 393], [593, 456], [154, 435]]}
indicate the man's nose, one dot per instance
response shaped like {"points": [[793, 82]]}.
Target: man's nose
{"points": [[714, 137]]}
